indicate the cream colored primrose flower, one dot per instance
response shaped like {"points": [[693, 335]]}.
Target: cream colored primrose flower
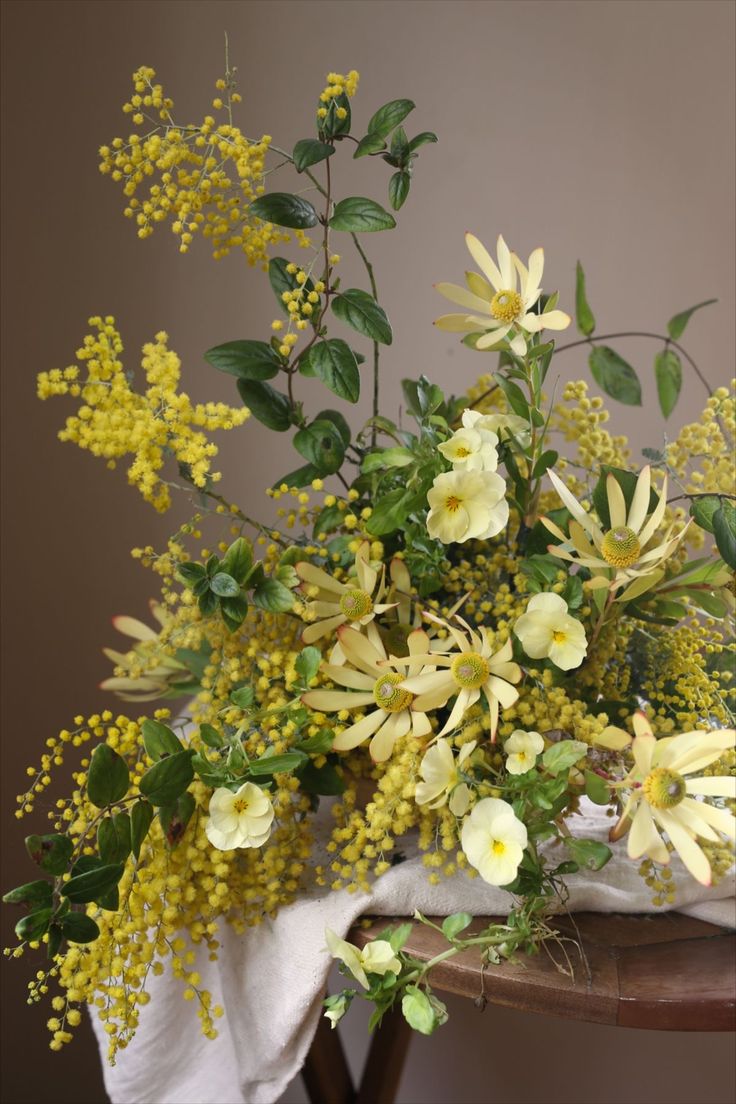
{"points": [[240, 819], [547, 631], [365, 673], [471, 450], [622, 553], [375, 958], [440, 773], [467, 505], [338, 603], [493, 839], [500, 301], [501, 424], [664, 797], [473, 669], [522, 749]]}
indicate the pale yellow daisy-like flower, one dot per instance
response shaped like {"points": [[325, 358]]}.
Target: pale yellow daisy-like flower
{"points": [[664, 796], [441, 783], [471, 450], [240, 819], [467, 505], [365, 673], [548, 631], [337, 603], [471, 670], [493, 839], [500, 301], [522, 749], [377, 957], [622, 556]]}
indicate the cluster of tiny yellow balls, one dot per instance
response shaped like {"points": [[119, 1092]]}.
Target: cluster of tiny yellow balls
{"points": [[337, 85], [302, 305], [115, 421]]}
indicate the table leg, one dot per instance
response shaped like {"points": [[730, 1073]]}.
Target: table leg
{"points": [[325, 1072], [385, 1062]]}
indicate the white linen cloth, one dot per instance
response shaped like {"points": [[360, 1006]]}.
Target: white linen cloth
{"points": [[271, 980]]}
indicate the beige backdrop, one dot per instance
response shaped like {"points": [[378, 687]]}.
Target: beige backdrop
{"points": [[602, 130]]}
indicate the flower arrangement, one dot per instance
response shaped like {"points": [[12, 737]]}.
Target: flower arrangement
{"points": [[478, 615]]}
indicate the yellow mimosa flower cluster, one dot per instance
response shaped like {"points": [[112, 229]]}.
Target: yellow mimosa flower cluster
{"points": [[337, 85], [115, 421]]}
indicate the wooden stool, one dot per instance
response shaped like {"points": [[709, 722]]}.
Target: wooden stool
{"points": [[666, 972]]}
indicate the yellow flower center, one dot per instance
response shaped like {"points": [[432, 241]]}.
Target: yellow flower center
{"points": [[356, 604], [389, 695], [469, 670], [559, 636], [461, 452], [497, 847], [621, 547], [664, 788], [506, 305], [452, 503], [240, 805]]}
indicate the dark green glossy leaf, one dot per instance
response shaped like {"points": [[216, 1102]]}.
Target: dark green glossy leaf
{"points": [[281, 280], [359, 215], [547, 460], [34, 925], [266, 404], [250, 360], [273, 596], [159, 740], [79, 928], [207, 602], [93, 884], [107, 778], [724, 529], [325, 781], [422, 140], [389, 512], [309, 151], [321, 444], [113, 838], [334, 363], [390, 115], [583, 313], [234, 611], [210, 736], [300, 477], [676, 325], [51, 852], [614, 375], [284, 209], [166, 780], [175, 818], [398, 189], [360, 310], [276, 764], [141, 816], [191, 573], [32, 893], [703, 508], [238, 559], [668, 373], [318, 744], [338, 421], [372, 143], [224, 585]]}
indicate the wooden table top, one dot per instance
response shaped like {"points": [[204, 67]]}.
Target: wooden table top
{"points": [[664, 971]]}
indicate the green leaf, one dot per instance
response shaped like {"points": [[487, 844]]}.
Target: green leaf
{"points": [[238, 559], [276, 764], [703, 508], [597, 789], [339, 423], [284, 209], [273, 596], [583, 313], [92, 884], [668, 373], [398, 937], [324, 781], [547, 460], [309, 151], [417, 1010], [676, 325], [334, 363], [234, 611], [210, 736], [307, 664], [191, 573], [107, 778], [32, 893], [319, 744], [563, 755], [389, 512], [389, 116], [372, 143], [386, 458], [453, 925], [398, 189], [224, 585], [359, 215], [266, 404], [300, 477], [79, 928], [34, 925], [51, 852], [250, 360], [422, 140], [724, 529], [333, 124], [321, 444], [243, 697], [167, 779], [281, 280], [159, 740], [113, 838], [514, 394], [591, 854], [141, 816], [175, 817], [360, 310], [614, 376], [399, 145]]}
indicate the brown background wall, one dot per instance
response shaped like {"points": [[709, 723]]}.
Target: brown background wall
{"points": [[600, 129]]}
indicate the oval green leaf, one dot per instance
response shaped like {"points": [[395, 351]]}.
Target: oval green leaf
{"points": [[267, 405], [334, 363], [668, 373], [390, 115], [309, 151], [583, 314], [359, 215], [284, 209], [615, 376], [253, 360], [360, 310], [167, 780], [108, 778]]}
